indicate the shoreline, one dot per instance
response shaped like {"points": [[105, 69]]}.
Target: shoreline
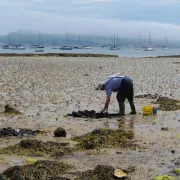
{"points": [[58, 54], [78, 55]]}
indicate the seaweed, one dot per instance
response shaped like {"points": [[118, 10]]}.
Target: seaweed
{"points": [[36, 148], [105, 138], [167, 104], [41, 170], [11, 110], [100, 172]]}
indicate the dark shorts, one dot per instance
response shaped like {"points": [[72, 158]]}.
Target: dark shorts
{"points": [[125, 90]]}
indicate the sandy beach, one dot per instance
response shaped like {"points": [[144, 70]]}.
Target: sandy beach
{"points": [[45, 89]]}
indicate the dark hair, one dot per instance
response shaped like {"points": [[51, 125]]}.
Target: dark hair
{"points": [[103, 87]]}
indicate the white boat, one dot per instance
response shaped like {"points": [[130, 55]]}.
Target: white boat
{"points": [[18, 48], [87, 47], [114, 47], [138, 48], [148, 49], [78, 47], [7, 47], [165, 47]]}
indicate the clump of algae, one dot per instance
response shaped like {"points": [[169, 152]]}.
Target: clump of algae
{"points": [[100, 172], [167, 104], [36, 148], [164, 177], [105, 138], [11, 110], [40, 170], [177, 171]]}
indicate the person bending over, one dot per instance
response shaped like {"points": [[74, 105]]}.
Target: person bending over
{"points": [[123, 85]]}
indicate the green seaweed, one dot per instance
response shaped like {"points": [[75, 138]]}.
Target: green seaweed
{"points": [[164, 177], [36, 148], [177, 171], [105, 138], [167, 104], [40, 170]]}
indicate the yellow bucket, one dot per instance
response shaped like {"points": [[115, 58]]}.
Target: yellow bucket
{"points": [[147, 110]]}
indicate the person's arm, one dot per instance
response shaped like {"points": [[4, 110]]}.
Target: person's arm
{"points": [[108, 98]]}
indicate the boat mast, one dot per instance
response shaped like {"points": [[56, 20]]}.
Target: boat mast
{"points": [[150, 39], [166, 41], [139, 40], [114, 41]]}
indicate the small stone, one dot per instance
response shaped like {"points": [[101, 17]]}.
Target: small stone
{"points": [[164, 129], [60, 132], [172, 151]]}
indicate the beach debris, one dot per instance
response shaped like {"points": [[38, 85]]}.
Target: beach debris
{"points": [[164, 177], [92, 114], [177, 171], [40, 170], [30, 160], [32, 147], [11, 110], [119, 173], [105, 138], [167, 104], [60, 132], [148, 96], [5, 132], [164, 129]]}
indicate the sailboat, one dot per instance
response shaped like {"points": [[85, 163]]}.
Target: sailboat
{"points": [[79, 46], [165, 47], [149, 48], [139, 45], [40, 39], [66, 47], [40, 48], [18, 46], [114, 47], [8, 46]]}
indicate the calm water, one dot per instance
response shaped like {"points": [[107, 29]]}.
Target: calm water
{"points": [[123, 52]]}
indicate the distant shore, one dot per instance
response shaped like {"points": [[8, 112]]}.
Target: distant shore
{"points": [[77, 55], [58, 54]]}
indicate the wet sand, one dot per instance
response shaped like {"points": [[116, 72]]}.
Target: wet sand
{"points": [[45, 89]]}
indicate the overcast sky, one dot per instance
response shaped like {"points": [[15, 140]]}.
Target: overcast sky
{"points": [[101, 17]]}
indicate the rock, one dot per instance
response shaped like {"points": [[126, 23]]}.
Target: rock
{"points": [[164, 129], [10, 109], [119, 173], [60, 132], [172, 151]]}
